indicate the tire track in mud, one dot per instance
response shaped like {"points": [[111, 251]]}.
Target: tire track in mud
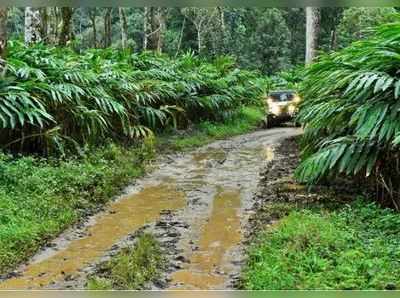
{"points": [[197, 204]]}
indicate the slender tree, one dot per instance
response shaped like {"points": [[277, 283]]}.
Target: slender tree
{"points": [[201, 18], [154, 27], [32, 25], [124, 27], [312, 32], [181, 36], [44, 24], [221, 17], [57, 21], [66, 32], [52, 25], [161, 24], [154, 24], [107, 27], [92, 16], [145, 27], [221, 13], [3, 38]]}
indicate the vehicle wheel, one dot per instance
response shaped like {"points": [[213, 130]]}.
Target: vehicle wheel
{"points": [[264, 123], [269, 122]]}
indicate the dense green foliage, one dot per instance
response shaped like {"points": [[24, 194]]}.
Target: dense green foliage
{"points": [[289, 79], [355, 247], [268, 39], [53, 96], [259, 39], [132, 268], [356, 22], [351, 113], [40, 198], [247, 119]]}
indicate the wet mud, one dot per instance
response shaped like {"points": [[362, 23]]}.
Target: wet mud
{"points": [[197, 204], [278, 193], [220, 234], [126, 215]]}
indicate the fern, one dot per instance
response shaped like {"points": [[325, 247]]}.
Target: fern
{"points": [[104, 93], [351, 112]]}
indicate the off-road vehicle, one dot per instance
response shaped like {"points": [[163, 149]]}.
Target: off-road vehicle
{"points": [[282, 106]]}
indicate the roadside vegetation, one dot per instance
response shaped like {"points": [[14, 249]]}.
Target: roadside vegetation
{"points": [[351, 115], [55, 100], [326, 237], [41, 197], [247, 119], [352, 247], [132, 268], [351, 136]]}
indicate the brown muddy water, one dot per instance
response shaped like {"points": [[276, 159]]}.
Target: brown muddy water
{"points": [[220, 234], [210, 193]]}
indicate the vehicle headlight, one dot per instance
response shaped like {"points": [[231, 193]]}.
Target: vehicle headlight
{"points": [[291, 109], [274, 109]]}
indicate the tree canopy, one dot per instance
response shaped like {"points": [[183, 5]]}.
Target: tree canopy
{"points": [[268, 39]]}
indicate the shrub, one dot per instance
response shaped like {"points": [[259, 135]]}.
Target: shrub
{"points": [[355, 247], [39, 198], [289, 79], [53, 98], [351, 114], [131, 268]]}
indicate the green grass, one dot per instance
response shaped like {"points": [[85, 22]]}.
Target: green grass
{"points": [[40, 198], [245, 121], [355, 247], [132, 268]]}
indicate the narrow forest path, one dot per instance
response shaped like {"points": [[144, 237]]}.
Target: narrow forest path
{"points": [[196, 203]]}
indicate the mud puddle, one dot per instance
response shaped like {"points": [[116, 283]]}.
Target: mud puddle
{"points": [[124, 216], [207, 195], [207, 267]]}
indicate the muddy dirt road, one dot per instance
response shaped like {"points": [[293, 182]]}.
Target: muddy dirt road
{"points": [[196, 204]]}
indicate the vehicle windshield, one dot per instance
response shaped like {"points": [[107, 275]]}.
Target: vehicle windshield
{"points": [[282, 96]]}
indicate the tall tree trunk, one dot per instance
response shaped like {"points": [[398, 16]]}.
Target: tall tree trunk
{"points": [[57, 21], [154, 27], [124, 27], [3, 39], [44, 24], [65, 34], [107, 27], [221, 18], [52, 25], [199, 44], [32, 25], [181, 36], [221, 46], [333, 39], [145, 27], [92, 17], [312, 32], [161, 28]]}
